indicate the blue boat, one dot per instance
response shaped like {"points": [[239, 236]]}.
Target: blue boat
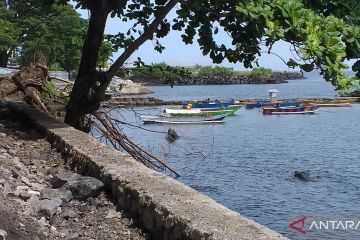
{"points": [[262, 104], [305, 109]]}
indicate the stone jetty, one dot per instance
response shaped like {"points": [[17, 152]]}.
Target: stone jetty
{"points": [[272, 78]]}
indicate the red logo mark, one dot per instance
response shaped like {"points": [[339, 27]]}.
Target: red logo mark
{"points": [[298, 225]]}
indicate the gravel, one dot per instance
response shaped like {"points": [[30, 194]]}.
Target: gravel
{"points": [[40, 198]]}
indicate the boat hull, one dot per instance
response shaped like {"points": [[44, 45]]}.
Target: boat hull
{"points": [[207, 105], [206, 112], [334, 105], [172, 120], [309, 109], [261, 104]]}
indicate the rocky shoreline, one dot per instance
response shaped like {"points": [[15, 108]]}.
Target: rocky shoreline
{"points": [[40, 198], [273, 78]]}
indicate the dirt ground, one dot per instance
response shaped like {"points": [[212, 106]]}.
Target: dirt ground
{"points": [[28, 167]]}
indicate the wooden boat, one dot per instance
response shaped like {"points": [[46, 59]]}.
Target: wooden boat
{"points": [[330, 102], [202, 112], [334, 104], [306, 109], [262, 104], [186, 120]]}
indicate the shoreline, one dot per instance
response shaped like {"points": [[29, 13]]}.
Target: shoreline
{"points": [[272, 78]]}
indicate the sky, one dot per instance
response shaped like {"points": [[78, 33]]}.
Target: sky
{"points": [[178, 53]]}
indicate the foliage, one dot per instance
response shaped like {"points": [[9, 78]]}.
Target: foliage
{"points": [[59, 37], [105, 53], [8, 30], [261, 72], [168, 74], [319, 40], [50, 91], [56, 67], [158, 70], [39, 27], [203, 71]]}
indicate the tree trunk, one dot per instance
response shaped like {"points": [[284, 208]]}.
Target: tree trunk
{"points": [[81, 102], [4, 57]]}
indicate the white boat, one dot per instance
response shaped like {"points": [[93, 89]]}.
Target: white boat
{"points": [[171, 120]]}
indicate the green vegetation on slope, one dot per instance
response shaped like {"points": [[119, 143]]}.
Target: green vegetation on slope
{"points": [[164, 71]]}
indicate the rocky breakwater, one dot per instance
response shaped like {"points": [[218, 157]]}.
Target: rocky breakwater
{"points": [[126, 87], [41, 199], [273, 78]]}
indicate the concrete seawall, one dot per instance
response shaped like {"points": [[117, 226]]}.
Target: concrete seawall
{"points": [[166, 208]]}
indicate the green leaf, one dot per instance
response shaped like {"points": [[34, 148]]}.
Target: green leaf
{"points": [[307, 67]]}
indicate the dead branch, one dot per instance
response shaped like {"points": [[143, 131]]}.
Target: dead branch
{"points": [[110, 130]]}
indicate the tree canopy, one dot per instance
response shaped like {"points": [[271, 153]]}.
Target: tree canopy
{"points": [[42, 27]]}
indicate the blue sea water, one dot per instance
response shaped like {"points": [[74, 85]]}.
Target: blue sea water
{"points": [[247, 163]]}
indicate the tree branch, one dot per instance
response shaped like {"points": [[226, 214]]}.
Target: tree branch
{"points": [[148, 33]]}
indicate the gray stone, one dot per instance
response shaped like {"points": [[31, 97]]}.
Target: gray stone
{"points": [[84, 187], [7, 191], [113, 214], [48, 207], [3, 234], [20, 189], [49, 193], [72, 236], [34, 193], [12, 152], [84, 208], [62, 178], [67, 214]]}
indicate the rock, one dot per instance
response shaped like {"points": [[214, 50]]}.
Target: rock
{"points": [[11, 152], [3, 135], [48, 207], [14, 174], [92, 201], [61, 179], [43, 222], [26, 162], [7, 191], [84, 208], [305, 176], [113, 214], [171, 136], [71, 236], [49, 193], [21, 189], [67, 214], [34, 193], [38, 186], [26, 181], [3, 234], [84, 187]]}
